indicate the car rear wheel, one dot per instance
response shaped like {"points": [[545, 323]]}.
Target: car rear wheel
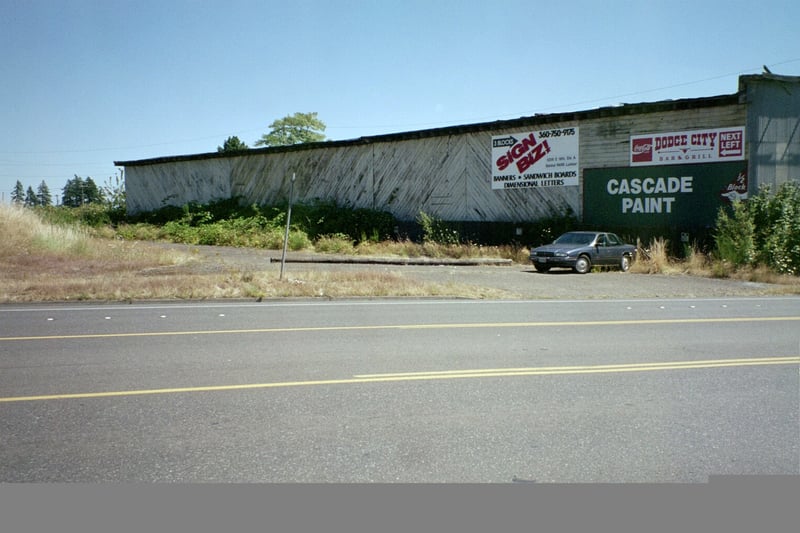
{"points": [[583, 265], [625, 263]]}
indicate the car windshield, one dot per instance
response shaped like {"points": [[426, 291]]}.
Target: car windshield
{"points": [[575, 238]]}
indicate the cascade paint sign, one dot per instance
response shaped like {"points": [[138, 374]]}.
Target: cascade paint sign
{"points": [[680, 195], [545, 158], [688, 147]]}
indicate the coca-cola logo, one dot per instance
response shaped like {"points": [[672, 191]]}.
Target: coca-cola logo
{"points": [[642, 150]]}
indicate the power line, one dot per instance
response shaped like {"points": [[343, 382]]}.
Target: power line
{"points": [[405, 125]]}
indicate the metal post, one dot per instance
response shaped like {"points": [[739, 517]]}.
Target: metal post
{"points": [[288, 221]]}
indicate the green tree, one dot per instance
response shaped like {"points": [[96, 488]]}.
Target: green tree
{"points": [[92, 192], [72, 194], [78, 192], [233, 144], [18, 194], [30, 198], [43, 194], [294, 129]]}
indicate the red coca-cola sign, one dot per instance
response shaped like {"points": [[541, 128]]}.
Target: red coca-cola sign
{"points": [[642, 150]]}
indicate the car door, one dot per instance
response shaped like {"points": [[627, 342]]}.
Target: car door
{"points": [[614, 246], [605, 250]]}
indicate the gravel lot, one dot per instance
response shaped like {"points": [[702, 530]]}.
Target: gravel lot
{"points": [[518, 281]]}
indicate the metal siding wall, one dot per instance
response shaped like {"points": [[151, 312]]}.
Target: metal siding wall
{"points": [[773, 133]]}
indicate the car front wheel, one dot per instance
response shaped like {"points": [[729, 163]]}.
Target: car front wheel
{"points": [[583, 265]]}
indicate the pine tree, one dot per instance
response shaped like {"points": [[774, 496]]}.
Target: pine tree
{"points": [[91, 192], [43, 194], [72, 194], [30, 198], [78, 192], [232, 144], [18, 194]]}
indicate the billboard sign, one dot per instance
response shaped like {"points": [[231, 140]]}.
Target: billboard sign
{"points": [[544, 158], [679, 195], [688, 147]]}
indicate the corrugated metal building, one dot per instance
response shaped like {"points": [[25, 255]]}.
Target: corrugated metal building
{"points": [[517, 170]]}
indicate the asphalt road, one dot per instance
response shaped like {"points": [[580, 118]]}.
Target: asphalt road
{"points": [[639, 390]]}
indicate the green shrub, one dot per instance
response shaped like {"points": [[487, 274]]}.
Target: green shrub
{"points": [[435, 230], [338, 243], [763, 230], [320, 218], [735, 235], [298, 240], [781, 244]]}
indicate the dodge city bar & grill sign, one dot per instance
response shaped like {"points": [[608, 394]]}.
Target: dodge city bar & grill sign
{"points": [[544, 158], [688, 147]]}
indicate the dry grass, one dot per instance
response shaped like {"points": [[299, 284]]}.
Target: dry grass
{"points": [[41, 262], [654, 259], [408, 248], [330, 284]]}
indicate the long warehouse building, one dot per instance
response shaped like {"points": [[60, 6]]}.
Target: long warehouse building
{"points": [[668, 165]]}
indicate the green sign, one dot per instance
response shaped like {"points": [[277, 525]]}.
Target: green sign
{"points": [[661, 196]]}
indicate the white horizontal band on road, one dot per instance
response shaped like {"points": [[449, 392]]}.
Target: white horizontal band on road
{"points": [[309, 329], [433, 375]]}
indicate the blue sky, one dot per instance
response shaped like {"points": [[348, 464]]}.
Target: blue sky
{"points": [[85, 83]]}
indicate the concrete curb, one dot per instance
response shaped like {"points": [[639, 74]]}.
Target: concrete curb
{"points": [[404, 261]]}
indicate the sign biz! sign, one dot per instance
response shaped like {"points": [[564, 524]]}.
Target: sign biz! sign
{"points": [[532, 159], [688, 147]]}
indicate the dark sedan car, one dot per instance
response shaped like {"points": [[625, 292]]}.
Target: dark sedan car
{"points": [[580, 250]]}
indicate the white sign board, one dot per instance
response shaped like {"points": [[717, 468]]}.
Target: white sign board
{"points": [[711, 145], [545, 158]]}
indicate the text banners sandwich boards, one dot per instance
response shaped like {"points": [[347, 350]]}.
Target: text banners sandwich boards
{"points": [[532, 159]]}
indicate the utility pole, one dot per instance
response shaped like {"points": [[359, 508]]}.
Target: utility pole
{"points": [[288, 221]]}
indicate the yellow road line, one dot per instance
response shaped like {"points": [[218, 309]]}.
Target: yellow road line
{"points": [[599, 368], [434, 375], [404, 327]]}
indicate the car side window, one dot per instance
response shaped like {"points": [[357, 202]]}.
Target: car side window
{"points": [[601, 240], [613, 240]]}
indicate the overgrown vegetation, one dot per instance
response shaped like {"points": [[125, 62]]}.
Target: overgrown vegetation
{"points": [[757, 240], [329, 228], [43, 260], [763, 231], [228, 223]]}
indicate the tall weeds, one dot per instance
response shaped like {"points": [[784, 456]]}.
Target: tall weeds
{"points": [[23, 232]]}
